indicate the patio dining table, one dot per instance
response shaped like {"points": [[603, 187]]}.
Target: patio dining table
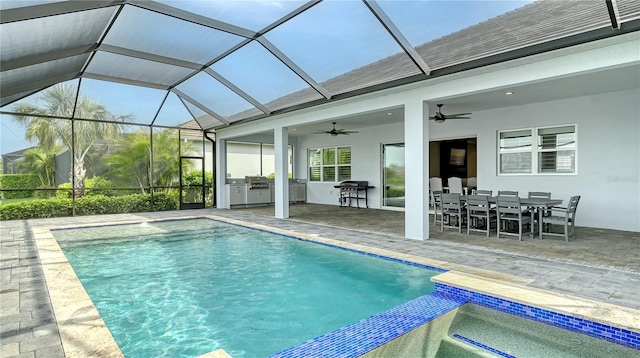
{"points": [[538, 203]]}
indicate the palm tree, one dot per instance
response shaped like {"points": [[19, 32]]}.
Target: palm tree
{"points": [[41, 162], [166, 158], [129, 165], [42, 122]]}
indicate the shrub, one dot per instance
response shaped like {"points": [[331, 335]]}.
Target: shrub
{"points": [[164, 202], [87, 205], [15, 182], [395, 192], [93, 186], [44, 192], [45, 208], [64, 191], [98, 186], [194, 177]]}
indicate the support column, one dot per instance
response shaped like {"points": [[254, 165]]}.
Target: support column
{"points": [[416, 145], [222, 201], [281, 149]]}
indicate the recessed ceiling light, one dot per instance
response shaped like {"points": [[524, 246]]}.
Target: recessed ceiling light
{"points": [[508, 93], [389, 113]]}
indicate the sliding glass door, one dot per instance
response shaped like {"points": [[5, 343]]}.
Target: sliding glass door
{"points": [[393, 175]]}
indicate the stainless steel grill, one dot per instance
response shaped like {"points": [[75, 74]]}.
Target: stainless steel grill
{"points": [[354, 185], [350, 191], [257, 182]]}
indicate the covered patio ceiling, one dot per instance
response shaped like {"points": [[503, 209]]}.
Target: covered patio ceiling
{"points": [[226, 62]]}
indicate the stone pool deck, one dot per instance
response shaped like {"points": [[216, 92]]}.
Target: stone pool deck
{"points": [[599, 265]]}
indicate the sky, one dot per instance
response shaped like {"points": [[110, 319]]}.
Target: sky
{"points": [[329, 39]]}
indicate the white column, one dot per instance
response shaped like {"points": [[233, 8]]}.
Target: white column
{"points": [[281, 149], [222, 201], [416, 149]]}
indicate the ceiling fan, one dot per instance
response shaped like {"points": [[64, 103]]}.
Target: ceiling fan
{"points": [[334, 132], [440, 117]]}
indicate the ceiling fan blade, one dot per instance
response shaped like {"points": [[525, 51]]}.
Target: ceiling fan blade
{"points": [[342, 131], [457, 117], [457, 114]]}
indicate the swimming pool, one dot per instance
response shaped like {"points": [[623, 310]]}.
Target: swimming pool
{"points": [[188, 287]]}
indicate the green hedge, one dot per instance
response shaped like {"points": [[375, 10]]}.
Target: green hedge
{"points": [[395, 192], [87, 205], [28, 182], [93, 186]]}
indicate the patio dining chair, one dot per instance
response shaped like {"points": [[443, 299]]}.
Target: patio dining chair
{"points": [[472, 183], [509, 210], [436, 203], [565, 217], [484, 192], [507, 193], [435, 184], [479, 210], [455, 185], [452, 207]]}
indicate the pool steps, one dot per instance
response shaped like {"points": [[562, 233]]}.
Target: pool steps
{"points": [[371, 338], [615, 324], [483, 346]]}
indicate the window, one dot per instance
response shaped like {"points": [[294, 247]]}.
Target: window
{"points": [[330, 164], [554, 151], [515, 152], [557, 150], [245, 158]]}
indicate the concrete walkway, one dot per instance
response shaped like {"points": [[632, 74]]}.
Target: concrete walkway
{"points": [[603, 265]]}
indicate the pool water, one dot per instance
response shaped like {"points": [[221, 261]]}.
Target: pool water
{"points": [[185, 288]]}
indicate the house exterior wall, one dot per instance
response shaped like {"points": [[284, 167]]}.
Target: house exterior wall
{"points": [[608, 155], [607, 122], [366, 163]]}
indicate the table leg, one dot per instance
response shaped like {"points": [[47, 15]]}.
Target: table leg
{"points": [[540, 214]]}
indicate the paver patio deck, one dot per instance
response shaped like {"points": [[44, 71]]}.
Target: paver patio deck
{"points": [[602, 265]]}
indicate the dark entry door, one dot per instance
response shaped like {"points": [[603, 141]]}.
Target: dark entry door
{"points": [[191, 186]]}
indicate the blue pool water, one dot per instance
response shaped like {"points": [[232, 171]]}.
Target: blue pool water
{"points": [[185, 288]]}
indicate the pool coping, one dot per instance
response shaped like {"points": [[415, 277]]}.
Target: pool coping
{"points": [[84, 333]]}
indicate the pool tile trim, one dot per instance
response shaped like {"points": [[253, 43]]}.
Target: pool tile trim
{"points": [[620, 336], [370, 333], [335, 245]]}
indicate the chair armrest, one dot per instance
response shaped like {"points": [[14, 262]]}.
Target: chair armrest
{"points": [[557, 208]]}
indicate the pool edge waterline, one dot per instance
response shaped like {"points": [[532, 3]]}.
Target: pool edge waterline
{"points": [[84, 333]]}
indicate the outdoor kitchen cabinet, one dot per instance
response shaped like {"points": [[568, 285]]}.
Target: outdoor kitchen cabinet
{"points": [[244, 194], [297, 192], [237, 194], [258, 195]]}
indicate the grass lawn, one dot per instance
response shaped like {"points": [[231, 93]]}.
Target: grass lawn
{"points": [[11, 201]]}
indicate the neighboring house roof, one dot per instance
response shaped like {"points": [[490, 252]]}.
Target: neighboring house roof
{"points": [[17, 154]]}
